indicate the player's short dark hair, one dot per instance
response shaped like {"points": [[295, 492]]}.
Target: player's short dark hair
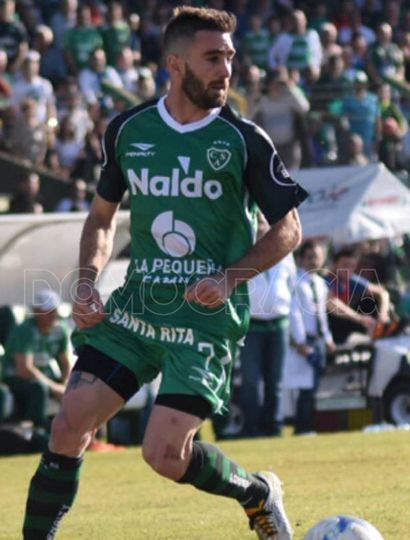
{"points": [[186, 21]]}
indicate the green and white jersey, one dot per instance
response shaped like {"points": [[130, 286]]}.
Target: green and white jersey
{"points": [[194, 190]]}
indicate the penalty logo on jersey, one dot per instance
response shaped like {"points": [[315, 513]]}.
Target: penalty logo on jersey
{"points": [[218, 158]]}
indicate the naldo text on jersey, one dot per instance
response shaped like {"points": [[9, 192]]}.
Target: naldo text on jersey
{"points": [[174, 186]]}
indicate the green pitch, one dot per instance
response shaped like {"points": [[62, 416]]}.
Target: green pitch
{"points": [[121, 499]]}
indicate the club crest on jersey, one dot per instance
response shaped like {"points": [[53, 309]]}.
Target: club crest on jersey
{"points": [[218, 158]]}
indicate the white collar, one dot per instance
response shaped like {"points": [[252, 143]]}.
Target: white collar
{"points": [[185, 128]]}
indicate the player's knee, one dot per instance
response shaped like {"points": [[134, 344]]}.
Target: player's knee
{"points": [[151, 456], [165, 461], [67, 438]]}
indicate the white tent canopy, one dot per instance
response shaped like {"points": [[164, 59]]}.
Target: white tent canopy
{"points": [[350, 204], [41, 251]]}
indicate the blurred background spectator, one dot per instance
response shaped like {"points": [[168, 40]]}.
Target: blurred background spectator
{"points": [[77, 201], [28, 135], [257, 42], [81, 40], [36, 362], [67, 146], [361, 109], [385, 59], [278, 112], [62, 19], [361, 303], [298, 48], [393, 129], [116, 32], [13, 36], [311, 338], [265, 348], [328, 39], [91, 60], [28, 84], [27, 197], [52, 63]]}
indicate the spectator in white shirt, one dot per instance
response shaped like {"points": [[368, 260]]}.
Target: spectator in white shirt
{"points": [[92, 81], [265, 347], [310, 335], [276, 113], [127, 70], [68, 148], [30, 85], [300, 48], [74, 108]]}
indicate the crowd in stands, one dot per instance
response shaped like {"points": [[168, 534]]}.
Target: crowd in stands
{"points": [[327, 82]]}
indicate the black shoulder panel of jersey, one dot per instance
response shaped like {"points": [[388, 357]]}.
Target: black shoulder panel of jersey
{"points": [[267, 180], [111, 185]]}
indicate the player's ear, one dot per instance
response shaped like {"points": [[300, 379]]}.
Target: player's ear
{"points": [[175, 64]]}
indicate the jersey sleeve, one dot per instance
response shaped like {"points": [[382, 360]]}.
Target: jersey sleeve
{"points": [[111, 185], [268, 182]]}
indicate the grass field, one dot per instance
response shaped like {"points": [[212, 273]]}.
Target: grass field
{"points": [[121, 499]]}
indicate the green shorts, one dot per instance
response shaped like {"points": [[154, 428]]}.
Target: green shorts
{"points": [[190, 361]]}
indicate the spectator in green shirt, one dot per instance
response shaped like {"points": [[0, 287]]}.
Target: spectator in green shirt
{"points": [[257, 42], [36, 362], [393, 129], [116, 33], [385, 57], [80, 41]]}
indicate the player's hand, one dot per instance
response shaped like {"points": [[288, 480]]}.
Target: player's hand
{"points": [[88, 309], [212, 291]]}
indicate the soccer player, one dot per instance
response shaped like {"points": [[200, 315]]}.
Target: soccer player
{"points": [[196, 175]]}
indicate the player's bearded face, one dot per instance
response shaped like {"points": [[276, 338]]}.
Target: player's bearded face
{"points": [[202, 95]]}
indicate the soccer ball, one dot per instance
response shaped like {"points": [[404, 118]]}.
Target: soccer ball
{"points": [[343, 528]]}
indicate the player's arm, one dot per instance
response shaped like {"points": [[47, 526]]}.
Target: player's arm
{"points": [[281, 238], [98, 232], [95, 250]]}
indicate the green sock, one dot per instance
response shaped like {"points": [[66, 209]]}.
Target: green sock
{"points": [[211, 471], [51, 494]]}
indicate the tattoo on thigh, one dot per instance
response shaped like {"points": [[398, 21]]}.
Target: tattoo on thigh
{"points": [[79, 378]]}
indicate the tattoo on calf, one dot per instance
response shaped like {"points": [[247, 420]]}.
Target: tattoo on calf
{"points": [[79, 378]]}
